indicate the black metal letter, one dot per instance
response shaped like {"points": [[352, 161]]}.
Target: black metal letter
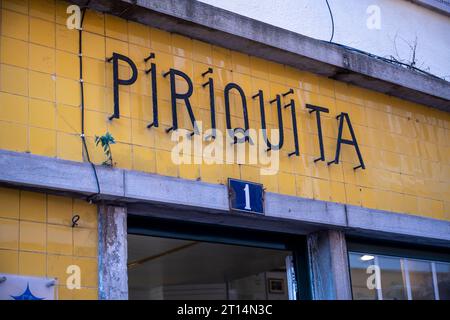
{"points": [[126, 82], [229, 87], [318, 110], [294, 128], [212, 103], [270, 146], [152, 70], [352, 142], [182, 96]]}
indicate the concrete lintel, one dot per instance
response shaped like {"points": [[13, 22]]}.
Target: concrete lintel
{"points": [[35, 171], [112, 253], [224, 28], [363, 219], [439, 6], [127, 187]]}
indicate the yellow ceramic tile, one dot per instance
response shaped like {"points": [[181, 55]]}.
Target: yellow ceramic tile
{"points": [[85, 242], [42, 114], [9, 234], [13, 108], [202, 52], [59, 239], [67, 91], [13, 137], [69, 147], [138, 34], [19, 86], [86, 294], [354, 194], [182, 46], [61, 14], [209, 173], [67, 40], [43, 142], [95, 97], [269, 182], [221, 57], [286, 184], [41, 58], [240, 62], [33, 206], [138, 54], [67, 65], [42, 32], [9, 198], [9, 261], [410, 204], [68, 119], [164, 164], [120, 129], [321, 190], [14, 52], [59, 210], [141, 135], [337, 191], [14, 25], [116, 27], [94, 21], [57, 267], [122, 157], [44, 9], [87, 213], [95, 123], [16, 5], [64, 293], [143, 83], [160, 40], [304, 187], [144, 159], [96, 154], [89, 269], [41, 85], [124, 102], [96, 74], [93, 46], [32, 236], [32, 264]]}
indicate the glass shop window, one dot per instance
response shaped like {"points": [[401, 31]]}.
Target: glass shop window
{"points": [[381, 277]]}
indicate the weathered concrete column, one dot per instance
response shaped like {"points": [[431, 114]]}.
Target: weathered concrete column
{"points": [[329, 273], [112, 253]]}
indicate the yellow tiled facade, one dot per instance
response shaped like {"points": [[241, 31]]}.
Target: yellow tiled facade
{"points": [[37, 239], [406, 146]]}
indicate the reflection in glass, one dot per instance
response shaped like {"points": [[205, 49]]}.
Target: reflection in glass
{"points": [[443, 280], [358, 271], [421, 279], [393, 287]]}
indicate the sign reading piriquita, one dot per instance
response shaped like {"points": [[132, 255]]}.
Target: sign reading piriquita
{"points": [[238, 135]]}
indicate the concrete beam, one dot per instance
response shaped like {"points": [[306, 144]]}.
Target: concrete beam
{"points": [[230, 30], [439, 6], [183, 198], [112, 253], [329, 271]]}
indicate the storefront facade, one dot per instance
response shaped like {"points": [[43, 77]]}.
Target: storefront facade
{"points": [[365, 175]]}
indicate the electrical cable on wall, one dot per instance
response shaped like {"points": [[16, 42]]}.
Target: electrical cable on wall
{"points": [[83, 138], [332, 21]]}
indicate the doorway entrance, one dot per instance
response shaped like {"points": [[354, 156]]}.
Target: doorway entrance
{"points": [[191, 261]]}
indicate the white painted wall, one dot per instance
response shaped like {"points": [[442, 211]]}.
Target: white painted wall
{"points": [[400, 19]]}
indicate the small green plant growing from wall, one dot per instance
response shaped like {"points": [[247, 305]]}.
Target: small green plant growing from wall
{"points": [[106, 140]]}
